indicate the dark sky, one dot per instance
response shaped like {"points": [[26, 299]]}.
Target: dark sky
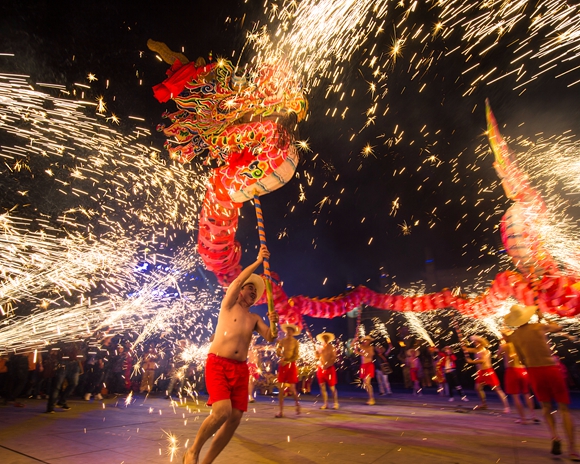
{"points": [[63, 41]]}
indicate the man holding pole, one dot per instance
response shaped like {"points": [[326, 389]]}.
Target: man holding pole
{"points": [[226, 369], [546, 378]]}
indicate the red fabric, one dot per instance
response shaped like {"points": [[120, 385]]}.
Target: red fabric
{"points": [[481, 306], [516, 381], [548, 383], [327, 376], [254, 371], [287, 373], [367, 370], [452, 359], [227, 379], [414, 373], [179, 75], [487, 377]]}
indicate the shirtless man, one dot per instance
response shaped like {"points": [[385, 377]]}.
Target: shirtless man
{"points": [[516, 380], [485, 373], [412, 360], [366, 351], [325, 372], [226, 369], [287, 350], [546, 378]]}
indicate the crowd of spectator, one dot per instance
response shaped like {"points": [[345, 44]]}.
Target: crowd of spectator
{"points": [[99, 367]]}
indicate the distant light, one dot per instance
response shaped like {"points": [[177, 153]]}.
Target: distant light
{"points": [[429, 260]]}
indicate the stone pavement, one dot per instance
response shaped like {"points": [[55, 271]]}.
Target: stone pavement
{"points": [[399, 429]]}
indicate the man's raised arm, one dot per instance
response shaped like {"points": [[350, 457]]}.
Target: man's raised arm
{"points": [[234, 288]]}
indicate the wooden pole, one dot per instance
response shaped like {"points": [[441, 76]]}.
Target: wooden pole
{"points": [[262, 234]]}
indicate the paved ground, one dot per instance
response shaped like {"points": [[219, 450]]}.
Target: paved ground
{"points": [[399, 429]]}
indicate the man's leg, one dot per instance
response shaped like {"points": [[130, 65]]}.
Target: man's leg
{"points": [[481, 393], [568, 426], [380, 382], [281, 399], [519, 407], [56, 385], [324, 395], [171, 385], [530, 403], [144, 386], [334, 396], [295, 395], [550, 421], [457, 386], [150, 380], [72, 379], [221, 412], [251, 387], [369, 387], [451, 383], [416, 388], [504, 400], [223, 436]]}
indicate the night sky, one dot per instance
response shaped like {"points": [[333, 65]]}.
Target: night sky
{"points": [[347, 232]]}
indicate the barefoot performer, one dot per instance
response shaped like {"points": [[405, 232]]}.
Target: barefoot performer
{"points": [[226, 369], [325, 372], [288, 350], [545, 376], [485, 373], [515, 379], [366, 351]]}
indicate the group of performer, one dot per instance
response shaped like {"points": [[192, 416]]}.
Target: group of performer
{"points": [[544, 373], [288, 351], [527, 356], [530, 367]]}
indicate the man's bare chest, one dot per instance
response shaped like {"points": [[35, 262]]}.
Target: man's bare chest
{"points": [[288, 345], [238, 321]]}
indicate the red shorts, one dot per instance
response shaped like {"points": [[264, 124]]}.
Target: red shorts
{"points": [[516, 381], [254, 371], [367, 370], [414, 373], [326, 376], [287, 373], [227, 379], [487, 377], [548, 383]]}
